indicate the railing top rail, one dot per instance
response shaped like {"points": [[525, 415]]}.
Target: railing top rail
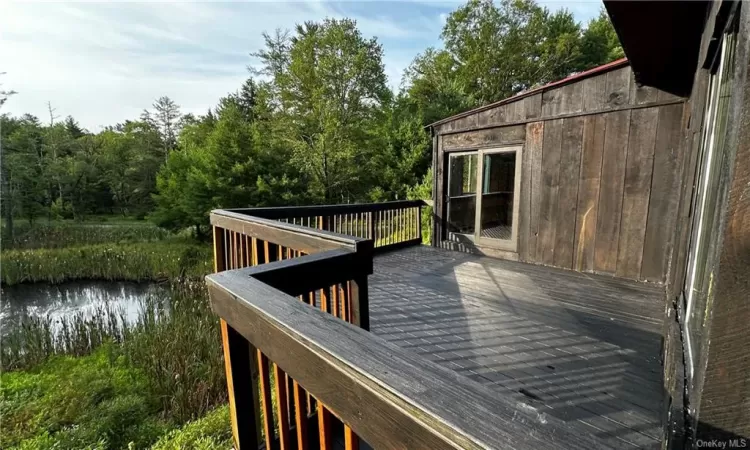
{"points": [[411, 402], [282, 212], [310, 240]]}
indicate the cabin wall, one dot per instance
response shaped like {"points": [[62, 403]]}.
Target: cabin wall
{"points": [[600, 176]]}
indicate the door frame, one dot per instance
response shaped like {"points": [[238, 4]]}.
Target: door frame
{"points": [[476, 238], [512, 243], [448, 193]]}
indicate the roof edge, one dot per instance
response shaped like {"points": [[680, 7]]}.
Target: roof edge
{"points": [[616, 64]]}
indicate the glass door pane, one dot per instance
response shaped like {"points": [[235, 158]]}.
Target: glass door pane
{"points": [[498, 195], [462, 193]]}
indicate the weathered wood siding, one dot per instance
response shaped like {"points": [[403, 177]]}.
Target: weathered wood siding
{"points": [[601, 172]]}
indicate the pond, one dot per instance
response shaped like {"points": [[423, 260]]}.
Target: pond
{"points": [[68, 299]]}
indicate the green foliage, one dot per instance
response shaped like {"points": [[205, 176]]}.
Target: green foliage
{"points": [[180, 352], [67, 234], [138, 261], [211, 432], [423, 191], [222, 164], [329, 84], [97, 401], [494, 50], [167, 368], [600, 43]]}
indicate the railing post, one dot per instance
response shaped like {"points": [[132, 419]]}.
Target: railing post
{"points": [[242, 381], [360, 303], [419, 222], [371, 226], [239, 364]]}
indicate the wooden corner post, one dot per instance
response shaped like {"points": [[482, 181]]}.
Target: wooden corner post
{"points": [[239, 364]]}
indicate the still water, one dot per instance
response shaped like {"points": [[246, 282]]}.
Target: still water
{"points": [[58, 301]]}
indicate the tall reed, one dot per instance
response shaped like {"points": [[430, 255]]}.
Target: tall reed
{"points": [[175, 341], [126, 262]]}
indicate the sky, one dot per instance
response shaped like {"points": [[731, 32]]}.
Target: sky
{"points": [[104, 62]]}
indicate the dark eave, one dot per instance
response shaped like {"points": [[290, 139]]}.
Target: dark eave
{"points": [[661, 39]]}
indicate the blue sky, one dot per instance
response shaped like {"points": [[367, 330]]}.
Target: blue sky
{"points": [[103, 63]]}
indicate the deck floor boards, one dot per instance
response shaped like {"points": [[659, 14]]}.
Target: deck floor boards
{"points": [[584, 348]]}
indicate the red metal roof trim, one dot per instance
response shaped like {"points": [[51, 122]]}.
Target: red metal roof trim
{"points": [[616, 64]]}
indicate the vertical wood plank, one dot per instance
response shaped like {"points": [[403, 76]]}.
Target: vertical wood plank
{"points": [[282, 413], [324, 300], [618, 87], [638, 169], [640, 95], [588, 192], [324, 427], [610, 191], [551, 148], [360, 303], [533, 106], [551, 103], [534, 145], [335, 308], [243, 401], [265, 396], [571, 98], [219, 253], [419, 222], [662, 210], [567, 199], [300, 416], [595, 93], [351, 441]]}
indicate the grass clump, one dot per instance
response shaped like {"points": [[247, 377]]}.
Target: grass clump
{"points": [[139, 261], [70, 234], [211, 432], [134, 383], [96, 401]]}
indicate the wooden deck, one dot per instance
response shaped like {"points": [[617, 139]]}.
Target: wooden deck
{"points": [[583, 348]]}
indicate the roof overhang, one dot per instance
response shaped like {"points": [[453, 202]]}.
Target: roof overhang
{"points": [[661, 39]]}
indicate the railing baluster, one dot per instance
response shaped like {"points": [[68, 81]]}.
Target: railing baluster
{"points": [[335, 300], [282, 411], [324, 427], [300, 415], [265, 396], [351, 441], [324, 300]]}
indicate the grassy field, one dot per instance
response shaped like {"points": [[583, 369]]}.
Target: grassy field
{"points": [[102, 383]]}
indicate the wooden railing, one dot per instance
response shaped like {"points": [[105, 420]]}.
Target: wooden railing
{"points": [[388, 224], [302, 370], [363, 389], [322, 269]]}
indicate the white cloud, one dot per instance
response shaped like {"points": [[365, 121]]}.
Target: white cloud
{"points": [[103, 63]]}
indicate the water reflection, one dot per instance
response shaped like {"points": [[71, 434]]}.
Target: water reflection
{"points": [[68, 299]]}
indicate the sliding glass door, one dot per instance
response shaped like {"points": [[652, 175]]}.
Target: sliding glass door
{"points": [[483, 196]]}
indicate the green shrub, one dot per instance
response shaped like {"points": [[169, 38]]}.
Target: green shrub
{"points": [[212, 432], [96, 401], [128, 262]]}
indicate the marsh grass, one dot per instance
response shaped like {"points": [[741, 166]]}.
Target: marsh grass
{"points": [[139, 261], [69, 234], [175, 343]]}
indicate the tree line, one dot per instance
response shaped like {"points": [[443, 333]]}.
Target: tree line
{"points": [[316, 123]]}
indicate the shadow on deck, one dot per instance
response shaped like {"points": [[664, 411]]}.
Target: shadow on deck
{"points": [[584, 348]]}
